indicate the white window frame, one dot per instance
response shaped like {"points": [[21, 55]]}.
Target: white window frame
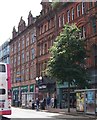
{"points": [[68, 16], [72, 13]]}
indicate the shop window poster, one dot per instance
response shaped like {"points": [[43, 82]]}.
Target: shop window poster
{"points": [[90, 102], [96, 101], [80, 101]]}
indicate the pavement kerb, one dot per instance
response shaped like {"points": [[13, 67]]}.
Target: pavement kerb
{"points": [[81, 114], [72, 113]]}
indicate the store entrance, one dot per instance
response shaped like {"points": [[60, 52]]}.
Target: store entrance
{"points": [[64, 99]]}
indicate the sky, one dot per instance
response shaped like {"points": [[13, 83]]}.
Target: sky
{"points": [[11, 12]]}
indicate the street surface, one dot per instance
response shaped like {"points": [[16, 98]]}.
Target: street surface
{"points": [[27, 113]]}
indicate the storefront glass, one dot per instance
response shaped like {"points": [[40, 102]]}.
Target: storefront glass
{"points": [[15, 95]]}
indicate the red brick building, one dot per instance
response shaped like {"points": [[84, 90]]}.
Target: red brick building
{"points": [[46, 34], [23, 57], [50, 23], [30, 46]]}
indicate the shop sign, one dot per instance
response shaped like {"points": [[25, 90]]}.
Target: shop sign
{"points": [[32, 88], [18, 79], [42, 87], [24, 88], [15, 88]]}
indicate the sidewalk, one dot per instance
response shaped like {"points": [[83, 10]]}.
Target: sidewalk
{"points": [[73, 112]]}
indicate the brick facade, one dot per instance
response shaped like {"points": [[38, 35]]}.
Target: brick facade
{"points": [[51, 22], [23, 56], [29, 59]]}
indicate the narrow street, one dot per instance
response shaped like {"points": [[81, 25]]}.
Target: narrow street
{"points": [[26, 113]]}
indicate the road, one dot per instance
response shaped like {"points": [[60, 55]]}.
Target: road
{"points": [[27, 113]]}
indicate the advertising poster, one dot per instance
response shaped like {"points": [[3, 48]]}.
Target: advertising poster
{"points": [[80, 101], [90, 102], [96, 102]]}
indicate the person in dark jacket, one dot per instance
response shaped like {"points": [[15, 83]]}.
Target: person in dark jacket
{"points": [[55, 102], [33, 105], [48, 100], [37, 104], [44, 103]]}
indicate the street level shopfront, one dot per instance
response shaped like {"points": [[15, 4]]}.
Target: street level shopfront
{"points": [[62, 95], [17, 93]]}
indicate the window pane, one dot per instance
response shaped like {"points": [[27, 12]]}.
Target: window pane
{"points": [[2, 91], [2, 68]]}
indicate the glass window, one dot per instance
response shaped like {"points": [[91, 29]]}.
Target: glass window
{"points": [[90, 4], [78, 10], [83, 7], [2, 68], [18, 45], [68, 15], [94, 25], [18, 59], [2, 91], [33, 53], [27, 41], [83, 32], [23, 43], [59, 21], [33, 38], [63, 19], [72, 13], [27, 56]]}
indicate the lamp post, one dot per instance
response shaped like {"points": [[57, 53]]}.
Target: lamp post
{"points": [[38, 79]]}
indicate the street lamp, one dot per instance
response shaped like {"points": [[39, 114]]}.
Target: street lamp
{"points": [[39, 79]]}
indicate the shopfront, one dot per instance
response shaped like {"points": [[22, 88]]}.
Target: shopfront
{"points": [[15, 95], [62, 95]]}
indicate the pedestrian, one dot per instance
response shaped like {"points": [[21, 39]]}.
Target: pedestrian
{"points": [[30, 103], [37, 104], [44, 103], [48, 100], [55, 102], [52, 102], [33, 104]]}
